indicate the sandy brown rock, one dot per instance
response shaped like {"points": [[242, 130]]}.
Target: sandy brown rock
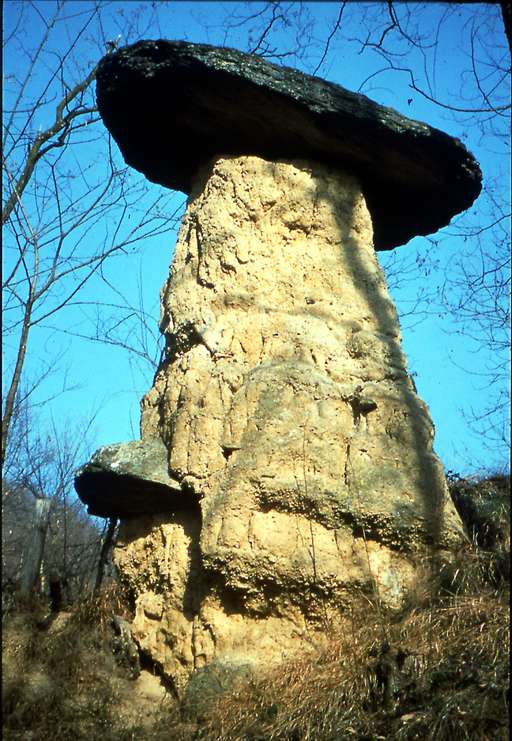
{"points": [[285, 406]]}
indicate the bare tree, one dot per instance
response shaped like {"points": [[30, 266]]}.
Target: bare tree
{"points": [[45, 529], [62, 182], [475, 287], [108, 540], [70, 208], [33, 556]]}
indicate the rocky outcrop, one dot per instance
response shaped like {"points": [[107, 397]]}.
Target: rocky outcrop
{"points": [[286, 412], [292, 466], [129, 479], [196, 101], [284, 382]]}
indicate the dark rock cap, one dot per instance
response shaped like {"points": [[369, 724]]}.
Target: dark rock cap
{"points": [[129, 479], [173, 105]]}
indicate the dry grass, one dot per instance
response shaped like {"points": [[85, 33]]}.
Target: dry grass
{"points": [[438, 672], [62, 682]]}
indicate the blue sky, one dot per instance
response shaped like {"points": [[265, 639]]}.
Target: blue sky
{"points": [[105, 381]]}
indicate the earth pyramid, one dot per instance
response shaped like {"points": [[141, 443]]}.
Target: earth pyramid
{"points": [[285, 462]]}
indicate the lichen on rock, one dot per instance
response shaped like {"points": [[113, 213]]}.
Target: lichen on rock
{"points": [[196, 101], [128, 479]]}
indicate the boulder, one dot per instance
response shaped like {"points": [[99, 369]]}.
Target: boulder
{"points": [[194, 101]]}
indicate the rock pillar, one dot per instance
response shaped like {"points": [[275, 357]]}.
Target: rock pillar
{"points": [[290, 423]]}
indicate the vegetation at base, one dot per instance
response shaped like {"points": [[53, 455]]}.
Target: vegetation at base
{"points": [[438, 671], [455, 687], [59, 682]]}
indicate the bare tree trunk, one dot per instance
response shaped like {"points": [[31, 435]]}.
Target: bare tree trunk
{"points": [[33, 556], [106, 546], [56, 597], [15, 381]]}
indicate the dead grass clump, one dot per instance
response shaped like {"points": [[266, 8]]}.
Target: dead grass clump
{"points": [[97, 609], [438, 673]]}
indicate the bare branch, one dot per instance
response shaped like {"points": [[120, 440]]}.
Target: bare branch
{"points": [[331, 36], [60, 126]]}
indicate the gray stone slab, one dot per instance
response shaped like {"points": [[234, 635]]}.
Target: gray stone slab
{"points": [[172, 105], [128, 479]]}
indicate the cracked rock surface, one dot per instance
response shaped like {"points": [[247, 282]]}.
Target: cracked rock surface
{"points": [[289, 419]]}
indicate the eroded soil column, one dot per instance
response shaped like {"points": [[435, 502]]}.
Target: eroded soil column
{"points": [[285, 405]]}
